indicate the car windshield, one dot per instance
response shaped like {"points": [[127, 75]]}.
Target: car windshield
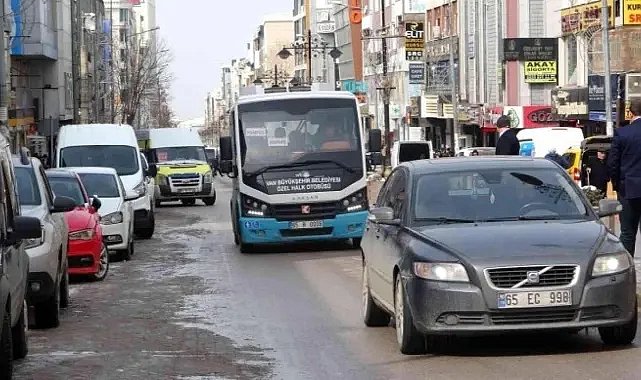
{"points": [[28, 190], [287, 131], [102, 185], [67, 187], [496, 195], [124, 159], [183, 153]]}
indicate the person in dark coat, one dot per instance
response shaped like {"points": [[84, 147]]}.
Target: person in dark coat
{"points": [[560, 160], [508, 143], [597, 172], [624, 167]]}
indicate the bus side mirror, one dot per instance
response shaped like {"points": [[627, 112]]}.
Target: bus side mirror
{"points": [[225, 149], [374, 142]]}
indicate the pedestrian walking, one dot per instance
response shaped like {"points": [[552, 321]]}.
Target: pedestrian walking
{"points": [[624, 167], [596, 172], [558, 159], [508, 143]]}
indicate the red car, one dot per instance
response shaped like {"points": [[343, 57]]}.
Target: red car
{"points": [[87, 253]]}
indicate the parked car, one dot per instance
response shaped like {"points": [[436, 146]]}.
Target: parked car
{"points": [[14, 271], [116, 211], [48, 288], [113, 146], [431, 258], [87, 252]]}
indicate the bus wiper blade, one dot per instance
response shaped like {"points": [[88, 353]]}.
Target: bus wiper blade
{"points": [[298, 164], [443, 220]]}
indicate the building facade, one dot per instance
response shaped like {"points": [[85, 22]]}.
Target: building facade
{"points": [[275, 32]]}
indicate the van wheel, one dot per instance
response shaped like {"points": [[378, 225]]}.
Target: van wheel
{"points": [[19, 335], [148, 231], [210, 201], [6, 348], [64, 290]]}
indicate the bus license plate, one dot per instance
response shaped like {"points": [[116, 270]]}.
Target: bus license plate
{"points": [[306, 224], [547, 298]]}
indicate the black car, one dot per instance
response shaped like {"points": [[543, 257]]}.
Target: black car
{"points": [[493, 245], [14, 268]]}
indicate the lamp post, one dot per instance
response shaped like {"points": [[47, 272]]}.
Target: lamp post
{"points": [[309, 45], [275, 75]]}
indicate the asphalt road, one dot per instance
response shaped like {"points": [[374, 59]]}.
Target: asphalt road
{"points": [[190, 306]]}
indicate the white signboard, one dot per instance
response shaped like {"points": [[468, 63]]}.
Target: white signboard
{"points": [[415, 6], [326, 27]]}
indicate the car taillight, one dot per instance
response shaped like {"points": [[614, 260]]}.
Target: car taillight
{"points": [[577, 174]]}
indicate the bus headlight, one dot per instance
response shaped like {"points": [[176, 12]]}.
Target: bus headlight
{"points": [[253, 207], [355, 202]]}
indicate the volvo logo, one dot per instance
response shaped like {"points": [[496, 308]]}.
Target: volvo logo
{"points": [[533, 277]]}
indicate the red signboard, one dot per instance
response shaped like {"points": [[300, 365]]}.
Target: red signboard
{"points": [[538, 117], [490, 118]]}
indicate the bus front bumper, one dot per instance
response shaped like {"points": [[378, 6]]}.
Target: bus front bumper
{"points": [[269, 230]]}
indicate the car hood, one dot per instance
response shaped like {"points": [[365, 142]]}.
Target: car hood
{"points": [[78, 219], [34, 211], [109, 205], [517, 243]]}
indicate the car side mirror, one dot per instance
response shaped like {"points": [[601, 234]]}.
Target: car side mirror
{"points": [[96, 203], [131, 195], [374, 141], [25, 227], [152, 171], [383, 215], [609, 207], [62, 204]]}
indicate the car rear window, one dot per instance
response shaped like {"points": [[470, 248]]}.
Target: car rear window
{"points": [[28, 190], [497, 194], [67, 187]]}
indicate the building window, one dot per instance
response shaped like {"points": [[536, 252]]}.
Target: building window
{"points": [[124, 15], [123, 55], [123, 35], [571, 54]]}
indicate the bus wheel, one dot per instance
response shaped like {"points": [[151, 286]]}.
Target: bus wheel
{"points": [[247, 248]]}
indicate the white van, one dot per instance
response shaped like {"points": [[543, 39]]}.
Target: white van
{"points": [[403, 151], [113, 146], [538, 142]]}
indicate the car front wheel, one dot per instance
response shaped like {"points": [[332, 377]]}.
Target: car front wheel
{"points": [[19, 334], [620, 335], [103, 265], [410, 340], [48, 312]]}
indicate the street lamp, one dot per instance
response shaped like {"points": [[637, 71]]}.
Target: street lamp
{"points": [[274, 76], [308, 46]]}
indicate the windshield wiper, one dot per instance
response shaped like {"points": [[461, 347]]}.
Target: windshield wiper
{"points": [[443, 220], [523, 217], [299, 164]]}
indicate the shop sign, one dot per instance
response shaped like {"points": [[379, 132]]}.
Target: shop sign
{"points": [[355, 12], [415, 6], [539, 116], [530, 49], [417, 72], [414, 40], [515, 114], [429, 106], [491, 116], [632, 12], [541, 72], [596, 91], [570, 103], [354, 86], [580, 18]]}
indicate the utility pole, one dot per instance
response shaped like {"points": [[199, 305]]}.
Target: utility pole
{"points": [[605, 25], [386, 93], [453, 82], [5, 48], [111, 63]]}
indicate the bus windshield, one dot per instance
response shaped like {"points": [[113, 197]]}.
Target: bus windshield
{"points": [[294, 131]]}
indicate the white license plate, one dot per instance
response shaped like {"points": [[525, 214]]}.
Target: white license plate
{"points": [[186, 190], [548, 298], [305, 224]]}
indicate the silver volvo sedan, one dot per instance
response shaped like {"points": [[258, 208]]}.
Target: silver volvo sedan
{"points": [[492, 245]]}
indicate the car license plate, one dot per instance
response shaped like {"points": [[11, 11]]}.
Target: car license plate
{"points": [[547, 298], [186, 190], [306, 224]]}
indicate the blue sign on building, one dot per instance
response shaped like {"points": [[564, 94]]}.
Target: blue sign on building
{"points": [[354, 86]]}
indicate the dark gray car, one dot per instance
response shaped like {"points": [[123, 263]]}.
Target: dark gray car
{"points": [[493, 245]]}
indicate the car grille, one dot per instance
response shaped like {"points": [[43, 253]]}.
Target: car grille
{"points": [[325, 210], [307, 232], [551, 276], [184, 180], [551, 316]]}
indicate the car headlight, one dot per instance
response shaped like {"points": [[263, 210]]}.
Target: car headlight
{"points": [[451, 272], [81, 235], [141, 189], [113, 218], [611, 263], [33, 243], [207, 177], [253, 207], [355, 202]]}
